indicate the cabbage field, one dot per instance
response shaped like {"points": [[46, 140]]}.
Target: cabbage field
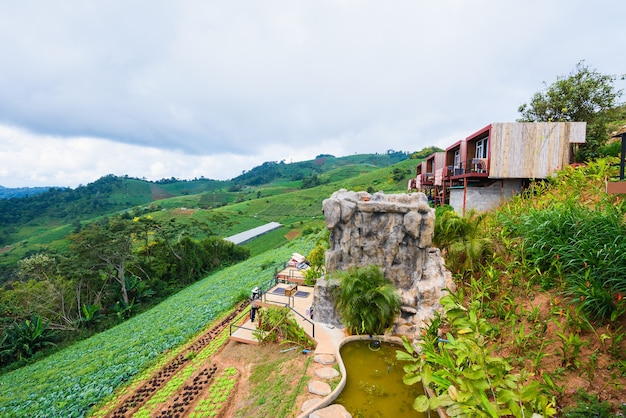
{"points": [[69, 382]]}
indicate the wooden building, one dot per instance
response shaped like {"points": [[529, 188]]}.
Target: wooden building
{"points": [[496, 162]]}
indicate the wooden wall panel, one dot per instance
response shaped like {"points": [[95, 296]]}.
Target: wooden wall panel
{"points": [[532, 150]]}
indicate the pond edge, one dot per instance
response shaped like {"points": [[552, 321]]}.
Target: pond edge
{"points": [[328, 400]]}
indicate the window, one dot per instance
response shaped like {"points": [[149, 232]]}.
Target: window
{"points": [[457, 158], [481, 147]]}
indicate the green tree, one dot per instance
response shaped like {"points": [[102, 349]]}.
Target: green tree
{"points": [[317, 259], [108, 246], [46, 291], [585, 95], [366, 300]]}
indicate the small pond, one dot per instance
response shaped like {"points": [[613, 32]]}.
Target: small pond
{"points": [[374, 385]]}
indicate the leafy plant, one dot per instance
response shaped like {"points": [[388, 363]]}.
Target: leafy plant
{"points": [[465, 378], [91, 314], [461, 241], [589, 405], [570, 349], [277, 324], [366, 300], [575, 240], [24, 339]]}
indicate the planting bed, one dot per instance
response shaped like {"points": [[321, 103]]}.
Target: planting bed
{"points": [[175, 388]]}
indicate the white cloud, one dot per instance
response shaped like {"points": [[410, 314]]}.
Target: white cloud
{"points": [[223, 86]]}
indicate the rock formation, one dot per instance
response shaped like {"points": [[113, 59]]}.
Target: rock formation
{"points": [[394, 232]]}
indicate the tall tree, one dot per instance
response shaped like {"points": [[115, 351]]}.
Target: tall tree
{"points": [[46, 292], [585, 95], [109, 246]]}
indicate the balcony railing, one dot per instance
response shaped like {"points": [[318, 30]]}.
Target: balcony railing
{"points": [[472, 166]]}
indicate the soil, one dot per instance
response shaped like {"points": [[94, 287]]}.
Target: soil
{"points": [[292, 234], [243, 357], [546, 320]]}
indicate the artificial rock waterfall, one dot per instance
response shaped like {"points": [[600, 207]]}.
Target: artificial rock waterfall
{"points": [[394, 232]]}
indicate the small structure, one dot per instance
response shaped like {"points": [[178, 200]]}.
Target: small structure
{"points": [[394, 232], [250, 234], [496, 162], [293, 270]]}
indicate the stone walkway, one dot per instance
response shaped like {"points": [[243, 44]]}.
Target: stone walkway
{"points": [[323, 389]]}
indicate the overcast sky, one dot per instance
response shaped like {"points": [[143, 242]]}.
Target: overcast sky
{"points": [[185, 89]]}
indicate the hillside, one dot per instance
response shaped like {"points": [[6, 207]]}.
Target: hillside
{"points": [[283, 201], [520, 307], [34, 223], [11, 192]]}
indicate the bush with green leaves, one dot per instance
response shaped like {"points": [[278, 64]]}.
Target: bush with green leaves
{"points": [[278, 325], [25, 338], [461, 240], [366, 300], [317, 259], [588, 405], [465, 378]]}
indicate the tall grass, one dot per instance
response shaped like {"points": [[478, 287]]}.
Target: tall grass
{"points": [[573, 235]]}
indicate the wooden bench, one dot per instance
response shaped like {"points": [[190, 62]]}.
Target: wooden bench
{"points": [[291, 290]]}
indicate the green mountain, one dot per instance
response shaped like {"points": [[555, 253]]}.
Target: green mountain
{"points": [[273, 191]]}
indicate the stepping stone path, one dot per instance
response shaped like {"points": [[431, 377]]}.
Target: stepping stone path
{"points": [[326, 373], [332, 411], [317, 387], [311, 403], [326, 359]]}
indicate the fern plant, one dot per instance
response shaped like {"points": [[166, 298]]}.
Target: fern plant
{"points": [[366, 300]]}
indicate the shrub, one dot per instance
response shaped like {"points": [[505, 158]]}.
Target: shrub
{"points": [[366, 300]]}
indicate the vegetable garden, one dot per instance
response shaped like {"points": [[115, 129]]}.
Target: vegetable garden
{"points": [[70, 382]]}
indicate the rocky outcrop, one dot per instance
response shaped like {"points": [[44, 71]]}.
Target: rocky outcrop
{"points": [[394, 232]]}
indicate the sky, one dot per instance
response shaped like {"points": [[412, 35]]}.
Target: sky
{"points": [[188, 89]]}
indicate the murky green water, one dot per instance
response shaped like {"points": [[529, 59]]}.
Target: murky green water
{"points": [[374, 385]]}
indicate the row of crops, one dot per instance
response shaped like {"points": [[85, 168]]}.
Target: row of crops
{"points": [[69, 382]]}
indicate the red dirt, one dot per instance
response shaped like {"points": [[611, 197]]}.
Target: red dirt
{"points": [[137, 397], [292, 234]]}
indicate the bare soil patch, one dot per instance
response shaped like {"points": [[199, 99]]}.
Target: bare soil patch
{"points": [[293, 234], [255, 398], [551, 340]]}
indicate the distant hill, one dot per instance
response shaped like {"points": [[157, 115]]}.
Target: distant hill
{"points": [[110, 194], [9, 192]]}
